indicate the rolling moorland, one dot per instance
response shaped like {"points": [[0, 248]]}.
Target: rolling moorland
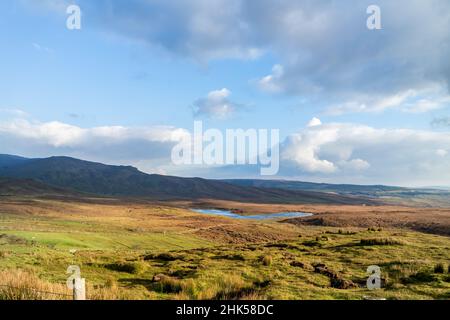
{"points": [[135, 236]]}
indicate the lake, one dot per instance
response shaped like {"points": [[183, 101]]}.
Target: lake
{"points": [[227, 213]]}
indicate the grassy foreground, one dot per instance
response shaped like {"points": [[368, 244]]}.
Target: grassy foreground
{"points": [[157, 252]]}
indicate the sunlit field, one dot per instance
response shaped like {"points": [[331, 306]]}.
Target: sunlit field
{"points": [[160, 251]]}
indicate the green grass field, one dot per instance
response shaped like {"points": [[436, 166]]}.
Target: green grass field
{"points": [[309, 263]]}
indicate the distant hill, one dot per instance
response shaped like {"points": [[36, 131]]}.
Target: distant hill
{"points": [[7, 160], [311, 186], [28, 187], [365, 190], [388, 194], [101, 179]]}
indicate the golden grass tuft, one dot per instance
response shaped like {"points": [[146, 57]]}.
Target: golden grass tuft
{"points": [[25, 285], [22, 285], [267, 260], [222, 287]]}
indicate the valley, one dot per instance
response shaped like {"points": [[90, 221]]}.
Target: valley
{"points": [[140, 236], [146, 249]]}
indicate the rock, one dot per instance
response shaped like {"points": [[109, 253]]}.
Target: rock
{"points": [[158, 277]]}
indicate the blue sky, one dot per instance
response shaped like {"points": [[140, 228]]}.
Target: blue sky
{"points": [[146, 66]]}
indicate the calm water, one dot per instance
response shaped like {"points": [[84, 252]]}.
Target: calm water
{"points": [[226, 213]]}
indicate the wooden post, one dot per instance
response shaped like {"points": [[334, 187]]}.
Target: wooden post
{"points": [[79, 289]]}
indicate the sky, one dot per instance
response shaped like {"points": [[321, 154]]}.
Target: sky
{"points": [[353, 105]]}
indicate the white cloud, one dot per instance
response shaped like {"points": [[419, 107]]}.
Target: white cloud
{"points": [[303, 149], [110, 144], [372, 104], [354, 164], [333, 152], [411, 101], [427, 104], [314, 122], [55, 6], [216, 105], [14, 112], [270, 83], [58, 134], [362, 154]]}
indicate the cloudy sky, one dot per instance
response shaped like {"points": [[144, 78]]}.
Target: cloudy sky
{"points": [[353, 105]]}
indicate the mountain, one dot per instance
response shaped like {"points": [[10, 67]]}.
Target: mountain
{"points": [[108, 180], [7, 160]]}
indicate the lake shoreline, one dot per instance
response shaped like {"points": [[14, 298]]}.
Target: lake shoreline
{"points": [[266, 216]]}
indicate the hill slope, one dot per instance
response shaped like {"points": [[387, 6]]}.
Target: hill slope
{"points": [[388, 194], [7, 160], [101, 179], [28, 187]]}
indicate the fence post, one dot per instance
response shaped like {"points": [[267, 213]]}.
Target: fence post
{"points": [[79, 289]]}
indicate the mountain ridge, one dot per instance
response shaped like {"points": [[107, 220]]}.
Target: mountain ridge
{"points": [[101, 179]]}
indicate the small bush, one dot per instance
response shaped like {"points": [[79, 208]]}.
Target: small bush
{"points": [[166, 256], [267, 260], [236, 257], [137, 267], [372, 229], [169, 285], [311, 243], [439, 268], [420, 277], [341, 232], [220, 287], [379, 242], [277, 245]]}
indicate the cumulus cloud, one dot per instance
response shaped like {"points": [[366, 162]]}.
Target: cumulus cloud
{"points": [[333, 152], [314, 122], [358, 153], [331, 58], [216, 105], [111, 144], [270, 83]]}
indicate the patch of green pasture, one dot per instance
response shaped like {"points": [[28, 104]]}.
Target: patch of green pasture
{"points": [[112, 241]]}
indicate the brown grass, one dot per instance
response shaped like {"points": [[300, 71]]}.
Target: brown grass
{"points": [[22, 285], [25, 285]]}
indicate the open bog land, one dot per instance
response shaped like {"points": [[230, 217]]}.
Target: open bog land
{"points": [[129, 249]]}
